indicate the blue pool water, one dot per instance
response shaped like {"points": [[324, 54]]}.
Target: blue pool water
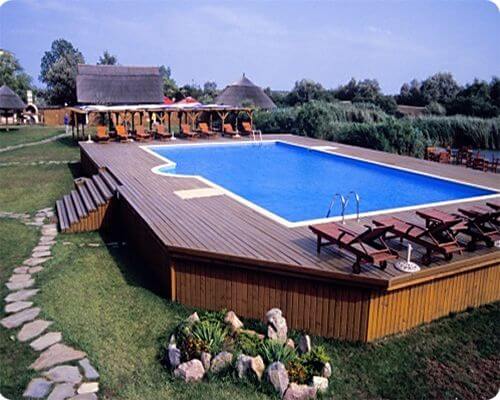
{"points": [[297, 183]]}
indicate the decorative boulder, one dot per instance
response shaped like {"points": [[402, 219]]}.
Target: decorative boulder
{"points": [[277, 375], [276, 325], [300, 392], [305, 344], [232, 320], [242, 365], [257, 366], [320, 383], [205, 360], [193, 318], [327, 370], [174, 356], [290, 343], [221, 361], [190, 371]]}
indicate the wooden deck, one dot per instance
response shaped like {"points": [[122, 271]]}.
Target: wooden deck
{"points": [[194, 243]]}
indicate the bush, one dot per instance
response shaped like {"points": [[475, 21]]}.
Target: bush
{"points": [[281, 120], [434, 108], [315, 360], [248, 344], [211, 334], [273, 351]]}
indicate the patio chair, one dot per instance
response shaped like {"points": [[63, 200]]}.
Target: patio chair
{"points": [[186, 131], [482, 226], [438, 238], [102, 135], [227, 129], [430, 153], [161, 133], [204, 130], [444, 157], [368, 246], [142, 134], [121, 133]]}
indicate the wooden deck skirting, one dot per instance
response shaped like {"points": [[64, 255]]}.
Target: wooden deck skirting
{"points": [[211, 259]]}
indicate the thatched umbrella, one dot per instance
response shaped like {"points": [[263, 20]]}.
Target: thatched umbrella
{"points": [[10, 101], [244, 91]]}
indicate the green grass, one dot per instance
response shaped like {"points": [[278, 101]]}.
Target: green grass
{"points": [[27, 134], [64, 149], [16, 242], [27, 189], [120, 324]]}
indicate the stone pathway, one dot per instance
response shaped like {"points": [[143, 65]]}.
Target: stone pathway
{"points": [[41, 162], [22, 145], [65, 372]]}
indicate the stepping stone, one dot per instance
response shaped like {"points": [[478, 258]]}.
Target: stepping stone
{"points": [[46, 340], [34, 270], [88, 387], [20, 285], [62, 391], [17, 319], [33, 262], [20, 270], [47, 238], [42, 248], [20, 278], [56, 354], [32, 330], [21, 295], [38, 388], [48, 243], [88, 370], [40, 254], [64, 373], [17, 306], [85, 396]]}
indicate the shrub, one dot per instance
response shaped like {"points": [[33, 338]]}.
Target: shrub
{"points": [[211, 334], [434, 108], [277, 121], [315, 360], [297, 372], [273, 351], [248, 344]]}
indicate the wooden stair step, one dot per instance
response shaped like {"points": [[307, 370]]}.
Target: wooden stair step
{"points": [[70, 209], [86, 197], [62, 216], [79, 207], [94, 192], [109, 179], [102, 186]]}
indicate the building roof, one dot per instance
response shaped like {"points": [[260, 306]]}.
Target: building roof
{"points": [[116, 84], [411, 111], [244, 91], [9, 100]]}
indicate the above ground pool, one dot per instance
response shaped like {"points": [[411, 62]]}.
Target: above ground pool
{"points": [[296, 184]]}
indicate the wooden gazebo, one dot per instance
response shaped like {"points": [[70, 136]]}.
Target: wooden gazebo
{"points": [[10, 103]]}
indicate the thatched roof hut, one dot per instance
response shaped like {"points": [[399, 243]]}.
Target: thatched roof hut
{"points": [[244, 92], [9, 100], [116, 84]]}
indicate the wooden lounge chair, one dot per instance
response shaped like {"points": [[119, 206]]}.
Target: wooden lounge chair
{"points": [[368, 246], [142, 134], [102, 134], [204, 130], [161, 133], [438, 238], [444, 157], [482, 225], [186, 131], [495, 206], [121, 133], [227, 129]]}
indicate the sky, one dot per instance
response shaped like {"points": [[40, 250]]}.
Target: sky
{"points": [[274, 42]]}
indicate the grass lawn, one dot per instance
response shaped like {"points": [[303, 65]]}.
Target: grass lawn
{"points": [[63, 149], [16, 242], [27, 134]]}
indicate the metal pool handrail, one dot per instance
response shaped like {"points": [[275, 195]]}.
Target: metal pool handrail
{"points": [[343, 202], [358, 199]]}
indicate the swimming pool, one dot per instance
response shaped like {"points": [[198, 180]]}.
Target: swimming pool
{"points": [[295, 184]]}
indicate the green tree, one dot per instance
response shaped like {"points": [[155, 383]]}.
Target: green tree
{"points": [[13, 75], [58, 71], [170, 88], [304, 91], [107, 59], [495, 91], [440, 87], [410, 94]]}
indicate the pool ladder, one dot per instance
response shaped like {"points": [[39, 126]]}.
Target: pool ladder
{"points": [[344, 200], [256, 133]]}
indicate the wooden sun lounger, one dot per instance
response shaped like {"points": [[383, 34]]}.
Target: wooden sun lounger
{"points": [[482, 226], [436, 238], [205, 131], [368, 246], [142, 134], [121, 133], [227, 129], [102, 134], [247, 129], [495, 206], [161, 133], [186, 131]]}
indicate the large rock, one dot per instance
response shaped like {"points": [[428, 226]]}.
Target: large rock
{"points": [[20, 285], [221, 361], [174, 356], [299, 392], [21, 295], [327, 370], [190, 371], [257, 366], [17, 306], [32, 330], [232, 320], [276, 325], [88, 370], [305, 344], [56, 354], [38, 388], [62, 391], [290, 343], [64, 373], [205, 358], [320, 383], [277, 375], [46, 340], [193, 318], [17, 319], [243, 364]]}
